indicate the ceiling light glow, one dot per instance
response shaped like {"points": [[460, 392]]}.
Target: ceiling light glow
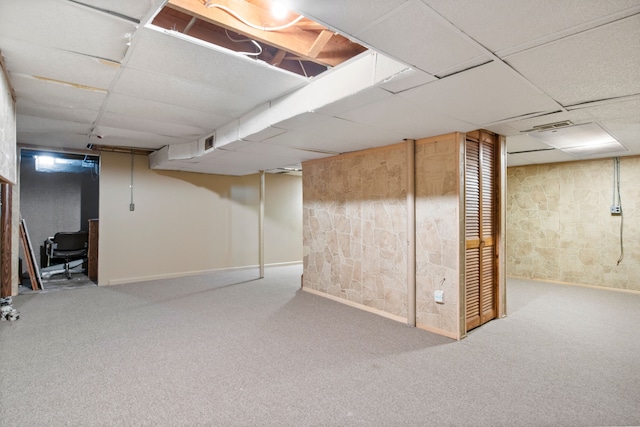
{"points": [[278, 10]]}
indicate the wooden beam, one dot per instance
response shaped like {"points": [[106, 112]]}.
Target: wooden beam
{"points": [[306, 24], [279, 56], [321, 41]]}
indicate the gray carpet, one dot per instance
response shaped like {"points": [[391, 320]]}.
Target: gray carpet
{"points": [[230, 350]]}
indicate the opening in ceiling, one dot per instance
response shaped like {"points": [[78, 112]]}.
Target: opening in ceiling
{"points": [[251, 28]]}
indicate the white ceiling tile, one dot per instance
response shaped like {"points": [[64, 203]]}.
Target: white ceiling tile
{"points": [[264, 134], [576, 117], [56, 94], [538, 157], [144, 85], [354, 101], [280, 151], [132, 138], [253, 161], [602, 150], [53, 139], [40, 124], [598, 64], [67, 26], [502, 129], [156, 127], [406, 118], [133, 9], [627, 131], [30, 59], [519, 143], [615, 109], [158, 111], [304, 141], [318, 129], [347, 16], [407, 79], [416, 36], [482, 95], [506, 24], [210, 66], [29, 107]]}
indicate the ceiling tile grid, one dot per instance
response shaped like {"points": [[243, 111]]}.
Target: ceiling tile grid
{"points": [[138, 9], [407, 79], [418, 37], [154, 127], [144, 85], [210, 66], [405, 118], [161, 112], [56, 64], [40, 124], [350, 17], [314, 142], [54, 140], [30, 107], [67, 26], [538, 157], [57, 94], [603, 63], [513, 25], [482, 95], [118, 136]]}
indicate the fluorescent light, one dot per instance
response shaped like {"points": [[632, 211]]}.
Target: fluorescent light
{"points": [[574, 136], [580, 140]]}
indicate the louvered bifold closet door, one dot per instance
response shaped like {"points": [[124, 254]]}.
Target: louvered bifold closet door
{"points": [[472, 233], [480, 229]]}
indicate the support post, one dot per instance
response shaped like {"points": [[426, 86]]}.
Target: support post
{"points": [[5, 243], [411, 232], [261, 226]]}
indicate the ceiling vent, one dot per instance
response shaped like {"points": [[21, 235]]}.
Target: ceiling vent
{"points": [[549, 126], [209, 142]]}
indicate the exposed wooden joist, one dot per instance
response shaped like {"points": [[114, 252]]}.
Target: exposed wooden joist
{"points": [[292, 39], [279, 56], [190, 25], [320, 43]]}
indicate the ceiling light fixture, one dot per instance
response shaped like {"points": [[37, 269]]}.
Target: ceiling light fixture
{"points": [[278, 10], [209, 4], [580, 140]]}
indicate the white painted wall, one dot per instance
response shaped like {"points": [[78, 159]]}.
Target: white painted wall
{"points": [[186, 223], [7, 132]]}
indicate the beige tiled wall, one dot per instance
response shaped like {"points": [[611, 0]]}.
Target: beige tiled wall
{"points": [[438, 232], [355, 230], [559, 226]]}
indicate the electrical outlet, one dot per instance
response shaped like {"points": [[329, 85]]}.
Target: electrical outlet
{"points": [[616, 210], [438, 296], [132, 207]]}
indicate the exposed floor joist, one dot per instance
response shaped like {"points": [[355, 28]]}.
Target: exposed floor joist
{"points": [[309, 48]]}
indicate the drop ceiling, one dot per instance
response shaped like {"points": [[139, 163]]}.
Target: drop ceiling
{"points": [[119, 73]]}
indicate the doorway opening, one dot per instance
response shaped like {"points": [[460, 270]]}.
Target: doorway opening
{"points": [[59, 195]]}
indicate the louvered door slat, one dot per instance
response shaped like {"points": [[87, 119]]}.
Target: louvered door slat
{"points": [[480, 230], [473, 309]]}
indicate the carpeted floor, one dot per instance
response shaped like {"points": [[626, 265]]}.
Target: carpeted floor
{"points": [[230, 350]]}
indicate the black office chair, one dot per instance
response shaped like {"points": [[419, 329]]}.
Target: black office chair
{"points": [[69, 246]]}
